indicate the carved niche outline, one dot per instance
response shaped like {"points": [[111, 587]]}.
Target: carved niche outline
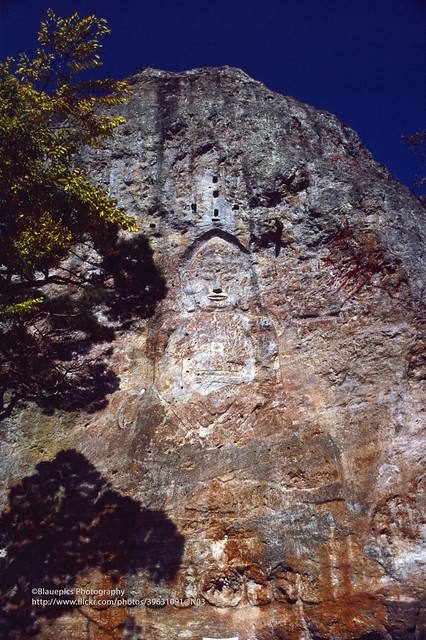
{"points": [[224, 335]]}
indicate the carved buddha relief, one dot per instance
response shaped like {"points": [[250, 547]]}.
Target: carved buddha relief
{"points": [[225, 338], [218, 276]]}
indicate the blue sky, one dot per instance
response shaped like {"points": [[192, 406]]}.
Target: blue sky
{"points": [[364, 61]]}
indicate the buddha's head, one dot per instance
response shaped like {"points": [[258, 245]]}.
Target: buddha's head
{"points": [[218, 276]]}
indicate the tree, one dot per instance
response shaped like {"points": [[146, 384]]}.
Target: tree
{"points": [[417, 144], [56, 228], [46, 116]]}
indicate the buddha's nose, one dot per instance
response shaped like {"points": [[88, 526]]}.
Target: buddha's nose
{"points": [[217, 287]]}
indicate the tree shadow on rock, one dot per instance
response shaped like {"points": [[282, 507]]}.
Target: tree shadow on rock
{"points": [[58, 355], [137, 279], [64, 520], [54, 367]]}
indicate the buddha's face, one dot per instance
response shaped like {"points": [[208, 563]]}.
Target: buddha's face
{"points": [[218, 276]]}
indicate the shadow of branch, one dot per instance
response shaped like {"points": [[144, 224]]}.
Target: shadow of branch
{"points": [[59, 355], [64, 520]]}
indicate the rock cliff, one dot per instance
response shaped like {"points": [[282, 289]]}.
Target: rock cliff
{"points": [[260, 471]]}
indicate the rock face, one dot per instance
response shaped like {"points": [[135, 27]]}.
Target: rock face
{"points": [[269, 417]]}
